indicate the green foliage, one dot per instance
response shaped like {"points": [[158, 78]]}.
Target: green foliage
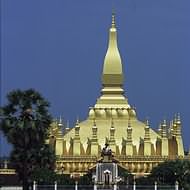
{"points": [[145, 180], [126, 176], [167, 173], [43, 176], [25, 121], [86, 179], [63, 179], [171, 171]]}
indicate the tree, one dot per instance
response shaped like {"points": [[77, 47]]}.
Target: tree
{"points": [[171, 171], [86, 179], [44, 176], [25, 121], [126, 176]]}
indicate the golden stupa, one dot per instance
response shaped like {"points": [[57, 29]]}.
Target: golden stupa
{"points": [[112, 120]]}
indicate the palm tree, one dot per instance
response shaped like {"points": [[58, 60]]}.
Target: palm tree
{"points": [[25, 121]]}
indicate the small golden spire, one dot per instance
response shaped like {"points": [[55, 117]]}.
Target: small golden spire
{"points": [[170, 129], [112, 123], [94, 121], [147, 131], [175, 118], [112, 131], [160, 129], [56, 120], [178, 118], [147, 123], [164, 128], [129, 132], [60, 124], [129, 123], [77, 122], [94, 132], [171, 123], [67, 127], [77, 129], [164, 123]]}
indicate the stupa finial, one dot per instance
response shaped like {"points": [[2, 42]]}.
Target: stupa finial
{"points": [[77, 122], [113, 19], [67, 126], [60, 123], [178, 118], [147, 122]]}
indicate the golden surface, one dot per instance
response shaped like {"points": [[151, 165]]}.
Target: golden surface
{"points": [[137, 147], [103, 132], [6, 171], [112, 69]]}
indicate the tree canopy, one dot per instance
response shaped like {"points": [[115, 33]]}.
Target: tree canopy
{"points": [[171, 171], [25, 121]]}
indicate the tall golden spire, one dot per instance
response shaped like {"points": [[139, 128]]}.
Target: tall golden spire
{"points": [[112, 69], [112, 93]]}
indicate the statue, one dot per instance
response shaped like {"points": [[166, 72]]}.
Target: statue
{"points": [[106, 169], [107, 152]]}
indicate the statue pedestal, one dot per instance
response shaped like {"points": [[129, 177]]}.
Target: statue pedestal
{"points": [[106, 170]]}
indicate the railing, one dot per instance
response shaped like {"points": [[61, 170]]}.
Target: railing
{"points": [[86, 187], [147, 187], [11, 188], [77, 186], [64, 187]]}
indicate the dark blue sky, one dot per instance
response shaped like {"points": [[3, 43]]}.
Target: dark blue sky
{"points": [[58, 48]]}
